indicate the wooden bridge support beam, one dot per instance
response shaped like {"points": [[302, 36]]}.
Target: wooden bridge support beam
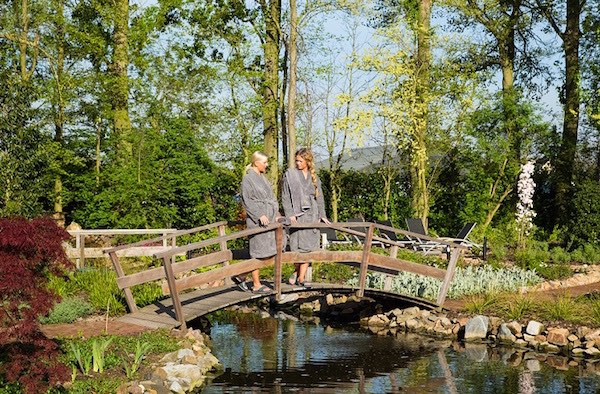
{"points": [[174, 293], [364, 264], [278, 262], [448, 278]]}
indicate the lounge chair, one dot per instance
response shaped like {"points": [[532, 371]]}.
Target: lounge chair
{"points": [[331, 237], [361, 239], [391, 235], [415, 226], [462, 236]]}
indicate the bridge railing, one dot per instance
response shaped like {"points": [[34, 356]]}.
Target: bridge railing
{"points": [[173, 271], [82, 251], [125, 282]]}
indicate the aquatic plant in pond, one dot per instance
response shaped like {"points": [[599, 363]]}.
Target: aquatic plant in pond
{"points": [[467, 281]]}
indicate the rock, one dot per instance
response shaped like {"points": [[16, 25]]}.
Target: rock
{"points": [[534, 328], [533, 365], [505, 334], [477, 328], [578, 351], [592, 352], [593, 335], [514, 327], [558, 336], [329, 299]]}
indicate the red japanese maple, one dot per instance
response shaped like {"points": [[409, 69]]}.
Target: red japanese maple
{"points": [[29, 251]]}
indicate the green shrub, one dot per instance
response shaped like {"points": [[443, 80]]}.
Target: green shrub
{"points": [[554, 271], [147, 293], [68, 310], [560, 256], [100, 284], [585, 223]]}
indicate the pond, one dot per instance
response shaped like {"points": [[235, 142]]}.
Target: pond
{"points": [[273, 355]]}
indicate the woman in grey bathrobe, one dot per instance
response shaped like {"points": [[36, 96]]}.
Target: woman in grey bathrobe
{"points": [[302, 200], [261, 210]]}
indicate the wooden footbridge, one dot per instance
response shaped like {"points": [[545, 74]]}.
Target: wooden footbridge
{"points": [[200, 284]]}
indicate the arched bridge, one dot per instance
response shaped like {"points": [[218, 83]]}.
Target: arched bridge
{"points": [[194, 294]]}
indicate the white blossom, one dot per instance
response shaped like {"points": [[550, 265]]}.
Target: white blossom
{"points": [[525, 190]]}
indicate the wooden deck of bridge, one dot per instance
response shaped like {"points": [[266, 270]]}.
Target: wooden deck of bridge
{"points": [[201, 302]]}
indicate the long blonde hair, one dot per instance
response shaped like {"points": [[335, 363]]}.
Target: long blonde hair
{"points": [[307, 155], [256, 156]]}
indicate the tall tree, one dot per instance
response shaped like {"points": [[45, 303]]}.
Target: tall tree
{"points": [[272, 18], [568, 29], [419, 159], [119, 88]]}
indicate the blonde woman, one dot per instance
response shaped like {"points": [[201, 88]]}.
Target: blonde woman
{"points": [[262, 209], [302, 200]]}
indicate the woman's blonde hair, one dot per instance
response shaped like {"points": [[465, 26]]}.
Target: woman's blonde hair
{"points": [[307, 155], [256, 156]]}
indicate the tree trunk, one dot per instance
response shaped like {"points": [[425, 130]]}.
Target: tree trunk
{"points": [[420, 193], [59, 110], [272, 12], [568, 147], [293, 51], [119, 97]]}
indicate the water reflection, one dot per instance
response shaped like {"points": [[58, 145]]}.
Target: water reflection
{"points": [[269, 355]]}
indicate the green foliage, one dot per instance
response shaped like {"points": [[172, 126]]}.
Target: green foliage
{"points": [[519, 307], [361, 196], [562, 308], [585, 223], [332, 272], [147, 293], [67, 311], [101, 287], [467, 281], [141, 348], [481, 303], [554, 271], [99, 347]]}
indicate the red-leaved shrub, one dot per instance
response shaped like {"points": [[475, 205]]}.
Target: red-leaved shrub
{"points": [[29, 251]]}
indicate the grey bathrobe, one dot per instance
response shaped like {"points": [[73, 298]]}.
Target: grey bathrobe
{"points": [[258, 199], [298, 199]]}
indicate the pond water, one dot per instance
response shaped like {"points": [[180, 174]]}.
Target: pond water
{"points": [[271, 355]]}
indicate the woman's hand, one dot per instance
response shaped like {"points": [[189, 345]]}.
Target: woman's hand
{"points": [[293, 219], [263, 220], [326, 221]]}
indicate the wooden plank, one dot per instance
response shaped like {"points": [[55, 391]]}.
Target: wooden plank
{"points": [[173, 289], [119, 270], [187, 265], [218, 274], [364, 263], [449, 275], [403, 265], [98, 253], [322, 255], [147, 323], [153, 317], [218, 240]]}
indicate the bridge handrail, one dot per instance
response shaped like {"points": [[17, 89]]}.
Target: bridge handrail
{"points": [[366, 258], [170, 235]]}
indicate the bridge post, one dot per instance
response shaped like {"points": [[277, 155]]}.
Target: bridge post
{"points": [[119, 270], [173, 289], [223, 246], [448, 278], [277, 267], [364, 264]]}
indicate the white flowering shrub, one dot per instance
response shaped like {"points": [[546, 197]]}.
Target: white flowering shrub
{"points": [[525, 190]]}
